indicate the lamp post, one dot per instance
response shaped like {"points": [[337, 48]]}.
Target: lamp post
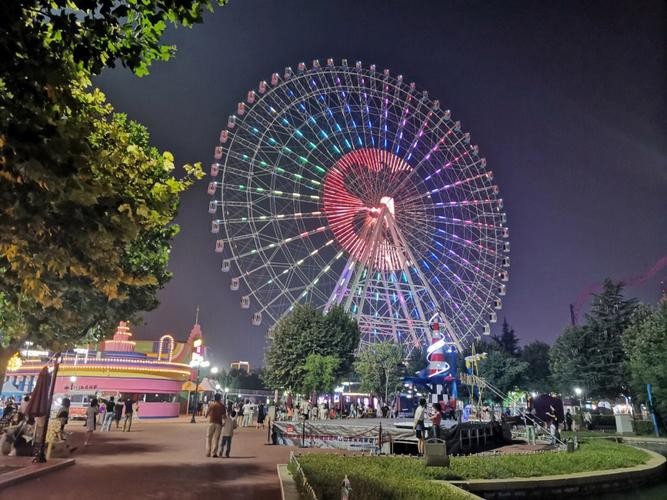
{"points": [[199, 364]]}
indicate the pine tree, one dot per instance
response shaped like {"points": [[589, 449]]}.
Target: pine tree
{"points": [[609, 317], [508, 340]]}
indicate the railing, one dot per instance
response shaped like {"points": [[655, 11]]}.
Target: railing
{"points": [[305, 489]]}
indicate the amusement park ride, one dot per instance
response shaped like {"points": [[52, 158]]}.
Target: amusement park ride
{"points": [[342, 184]]}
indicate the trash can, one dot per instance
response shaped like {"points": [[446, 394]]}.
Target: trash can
{"points": [[435, 453]]}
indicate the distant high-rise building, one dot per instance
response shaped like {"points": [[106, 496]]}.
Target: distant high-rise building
{"points": [[242, 366]]}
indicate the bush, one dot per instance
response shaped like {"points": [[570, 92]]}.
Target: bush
{"points": [[373, 478], [643, 427], [406, 477]]}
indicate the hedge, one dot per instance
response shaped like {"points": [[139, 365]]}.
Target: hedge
{"points": [[643, 427], [379, 477], [373, 478]]}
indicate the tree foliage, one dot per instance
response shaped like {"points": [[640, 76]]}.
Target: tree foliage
{"points": [[320, 374], [645, 342], [307, 331], [85, 234], [538, 374], [379, 367], [85, 202], [592, 356], [417, 360], [502, 370], [507, 340]]}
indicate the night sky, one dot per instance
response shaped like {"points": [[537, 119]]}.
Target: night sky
{"points": [[566, 100]]}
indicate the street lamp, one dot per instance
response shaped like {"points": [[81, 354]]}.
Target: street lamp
{"points": [[198, 363], [72, 379], [214, 370]]}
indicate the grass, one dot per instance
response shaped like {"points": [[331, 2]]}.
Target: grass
{"points": [[404, 477]]}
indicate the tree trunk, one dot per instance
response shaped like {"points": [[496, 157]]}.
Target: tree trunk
{"points": [[5, 354]]}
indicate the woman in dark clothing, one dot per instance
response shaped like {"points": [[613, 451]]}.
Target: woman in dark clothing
{"points": [[261, 414]]}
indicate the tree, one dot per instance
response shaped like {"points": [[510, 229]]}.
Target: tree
{"points": [[307, 331], [645, 343], [379, 367], [85, 203], [567, 360], [508, 340], [538, 374], [417, 360], [320, 374], [85, 242], [45, 45], [344, 335], [609, 317], [592, 356], [503, 371]]}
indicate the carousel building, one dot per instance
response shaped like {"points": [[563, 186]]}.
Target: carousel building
{"points": [[151, 372]]}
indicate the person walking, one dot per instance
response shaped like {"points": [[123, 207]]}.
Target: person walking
{"points": [[117, 412], [215, 413], [91, 420], [109, 415], [129, 412], [228, 426], [63, 416], [418, 425]]}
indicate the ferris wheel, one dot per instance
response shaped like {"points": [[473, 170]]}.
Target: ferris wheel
{"points": [[345, 185]]}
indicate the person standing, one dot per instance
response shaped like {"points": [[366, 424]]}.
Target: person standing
{"points": [[129, 412], [247, 413], [568, 420], [418, 425], [530, 426], [261, 415], [215, 414], [109, 415], [436, 419], [91, 420], [228, 426]]}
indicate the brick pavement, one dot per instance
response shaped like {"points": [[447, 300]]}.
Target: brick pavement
{"points": [[161, 460]]}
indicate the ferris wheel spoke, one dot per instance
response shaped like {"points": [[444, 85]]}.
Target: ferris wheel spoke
{"points": [[274, 145], [264, 166], [459, 183], [325, 270], [310, 120]]}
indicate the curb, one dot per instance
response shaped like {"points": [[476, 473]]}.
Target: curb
{"points": [[32, 471], [579, 482], [288, 489]]}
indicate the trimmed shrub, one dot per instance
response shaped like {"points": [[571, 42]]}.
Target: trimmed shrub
{"points": [[376, 478], [643, 427]]}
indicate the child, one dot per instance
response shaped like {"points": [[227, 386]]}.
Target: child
{"points": [[228, 426]]}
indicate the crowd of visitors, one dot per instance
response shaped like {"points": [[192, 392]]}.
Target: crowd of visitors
{"points": [[19, 431]]}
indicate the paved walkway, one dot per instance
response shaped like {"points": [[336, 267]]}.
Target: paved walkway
{"points": [[161, 460]]}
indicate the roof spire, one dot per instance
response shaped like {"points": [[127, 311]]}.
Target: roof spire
{"points": [[197, 316]]}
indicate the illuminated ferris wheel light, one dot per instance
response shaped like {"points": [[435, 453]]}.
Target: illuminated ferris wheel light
{"points": [[342, 185]]}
